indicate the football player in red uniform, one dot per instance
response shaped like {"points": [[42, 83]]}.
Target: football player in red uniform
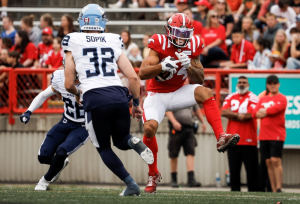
{"points": [[172, 58]]}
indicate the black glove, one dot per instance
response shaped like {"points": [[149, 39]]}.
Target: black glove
{"points": [[25, 117]]}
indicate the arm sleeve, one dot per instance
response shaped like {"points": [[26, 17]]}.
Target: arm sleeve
{"points": [[199, 46], [66, 43], [250, 53], [277, 107], [118, 46], [40, 99], [253, 100], [226, 103], [154, 42]]}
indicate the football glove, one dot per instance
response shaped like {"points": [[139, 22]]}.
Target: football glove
{"points": [[25, 117], [184, 59], [169, 65]]}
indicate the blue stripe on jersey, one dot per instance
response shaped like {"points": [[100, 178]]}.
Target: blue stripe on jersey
{"points": [[106, 95]]}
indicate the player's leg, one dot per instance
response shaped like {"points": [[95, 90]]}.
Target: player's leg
{"points": [[250, 159], [154, 111], [205, 96], [235, 164], [189, 145], [56, 135], [76, 138]]}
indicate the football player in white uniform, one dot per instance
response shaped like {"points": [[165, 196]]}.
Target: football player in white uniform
{"points": [[96, 56], [65, 137]]}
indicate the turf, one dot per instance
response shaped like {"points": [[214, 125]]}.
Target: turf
{"points": [[92, 195]]}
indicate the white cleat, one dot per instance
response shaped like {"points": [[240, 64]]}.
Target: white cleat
{"points": [[122, 194], [134, 5], [67, 161], [42, 185], [116, 5], [147, 156]]}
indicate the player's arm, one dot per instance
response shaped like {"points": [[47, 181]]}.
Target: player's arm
{"points": [[70, 74], [37, 102], [196, 71], [150, 67], [134, 84]]}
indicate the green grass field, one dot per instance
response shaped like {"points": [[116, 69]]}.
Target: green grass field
{"points": [[94, 195]]}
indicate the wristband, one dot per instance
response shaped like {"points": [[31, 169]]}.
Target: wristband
{"points": [[78, 92], [28, 111], [136, 102]]}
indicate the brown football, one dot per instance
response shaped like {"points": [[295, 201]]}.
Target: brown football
{"points": [[196, 72]]}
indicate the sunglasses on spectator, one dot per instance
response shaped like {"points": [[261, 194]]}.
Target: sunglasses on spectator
{"points": [[224, 3], [214, 16]]}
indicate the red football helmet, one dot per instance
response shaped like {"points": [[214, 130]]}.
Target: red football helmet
{"points": [[179, 29]]}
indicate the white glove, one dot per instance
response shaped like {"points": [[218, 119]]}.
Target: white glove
{"points": [[184, 59], [168, 65]]}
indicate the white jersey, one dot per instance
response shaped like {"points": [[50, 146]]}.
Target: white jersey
{"points": [[95, 56], [73, 111]]}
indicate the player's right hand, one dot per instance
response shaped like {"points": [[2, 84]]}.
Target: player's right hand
{"points": [[25, 117], [169, 65], [137, 112]]}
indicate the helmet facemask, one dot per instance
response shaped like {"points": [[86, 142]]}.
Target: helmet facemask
{"points": [[179, 37]]}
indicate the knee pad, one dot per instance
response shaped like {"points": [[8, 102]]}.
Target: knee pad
{"points": [[44, 159], [60, 152]]}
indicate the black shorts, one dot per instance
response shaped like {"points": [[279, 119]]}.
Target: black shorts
{"points": [[271, 148], [184, 138]]}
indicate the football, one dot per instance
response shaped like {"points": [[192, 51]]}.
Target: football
{"points": [[164, 75]]}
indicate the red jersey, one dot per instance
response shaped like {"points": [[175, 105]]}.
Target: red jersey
{"points": [[55, 60], [197, 27], [243, 52], [212, 34], [165, 48], [42, 53], [272, 127], [29, 53], [242, 104]]}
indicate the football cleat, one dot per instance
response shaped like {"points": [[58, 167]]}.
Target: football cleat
{"points": [[132, 190], [152, 183], [227, 140], [42, 185], [146, 154], [116, 5], [67, 161]]}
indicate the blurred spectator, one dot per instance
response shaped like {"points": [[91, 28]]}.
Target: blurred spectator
{"points": [[120, 3], [3, 57], [293, 62], [264, 9], [295, 4], [225, 17], [280, 49], [46, 21], [9, 30], [271, 109], [249, 30], [13, 59], [213, 3], [33, 32], [284, 13], [242, 51], [66, 26], [248, 8], [135, 55], [44, 47], [56, 55], [128, 44], [4, 7], [181, 5], [261, 59], [146, 49], [6, 43], [234, 5], [272, 27], [214, 38], [182, 133], [294, 25], [203, 7], [238, 108], [196, 24], [26, 49]]}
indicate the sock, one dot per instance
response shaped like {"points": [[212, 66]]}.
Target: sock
{"points": [[129, 181], [56, 165], [152, 144], [174, 176], [213, 115], [120, 3], [112, 161]]}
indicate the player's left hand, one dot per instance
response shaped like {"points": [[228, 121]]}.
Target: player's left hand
{"points": [[137, 112], [25, 117], [184, 59]]}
